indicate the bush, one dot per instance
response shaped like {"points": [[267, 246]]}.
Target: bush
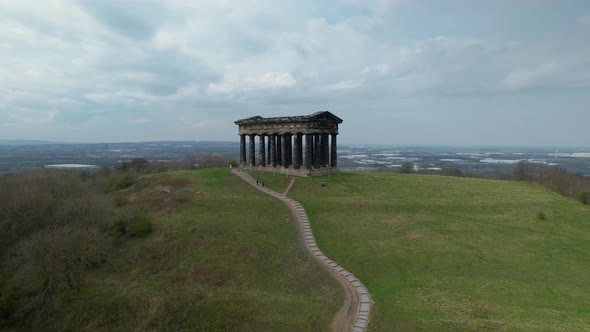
{"points": [[141, 226], [32, 201], [407, 168], [584, 197], [541, 216], [120, 227], [53, 227], [140, 184], [122, 181], [119, 200], [133, 223], [52, 261], [8, 300]]}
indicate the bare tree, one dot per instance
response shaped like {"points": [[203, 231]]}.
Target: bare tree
{"points": [[407, 168]]}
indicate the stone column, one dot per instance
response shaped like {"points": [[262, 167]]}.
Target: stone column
{"points": [[272, 160], [289, 150], [242, 150], [325, 158], [298, 151], [316, 151], [261, 150], [334, 152], [284, 150], [279, 153], [251, 151], [307, 162]]}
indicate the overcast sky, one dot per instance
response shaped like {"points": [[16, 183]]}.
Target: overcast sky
{"points": [[459, 72]]}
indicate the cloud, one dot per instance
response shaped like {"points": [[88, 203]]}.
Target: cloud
{"points": [[270, 80], [345, 85], [136, 21], [178, 63], [530, 77]]}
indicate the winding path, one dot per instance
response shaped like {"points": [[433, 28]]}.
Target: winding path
{"points": [[354, 314]]}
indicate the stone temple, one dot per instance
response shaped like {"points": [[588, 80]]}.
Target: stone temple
{"points": [[298, 145]]}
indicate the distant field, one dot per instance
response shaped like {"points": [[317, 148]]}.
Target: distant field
{"points": [[440, 253], [224, 257]]}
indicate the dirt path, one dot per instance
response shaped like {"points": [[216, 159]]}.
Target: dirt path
{"points": [[354, 314], [289, 187]]}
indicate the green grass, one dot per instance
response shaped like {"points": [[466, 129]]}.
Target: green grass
{"points": [[456, 254], [275, 181], [226, 259]]}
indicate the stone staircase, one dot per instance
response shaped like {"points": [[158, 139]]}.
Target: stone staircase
{"points": [[360, 299]]}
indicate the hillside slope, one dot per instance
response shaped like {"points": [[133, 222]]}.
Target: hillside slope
{"points": [[225, 257], [440, 253]]}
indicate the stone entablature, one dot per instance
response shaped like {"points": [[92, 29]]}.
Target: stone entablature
{"points": [[300, 145], [319, 122]]}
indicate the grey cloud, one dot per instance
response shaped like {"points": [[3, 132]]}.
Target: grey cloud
{"points": [[129, 68], [133, 19]]}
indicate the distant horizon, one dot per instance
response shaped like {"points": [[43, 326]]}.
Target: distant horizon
{"points": [[473, 146]]}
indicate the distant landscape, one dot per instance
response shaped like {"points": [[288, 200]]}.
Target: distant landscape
{"points": [[14, 156], [19, 154]]}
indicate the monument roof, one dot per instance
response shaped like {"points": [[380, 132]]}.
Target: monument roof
{"points": [[321, 116]]}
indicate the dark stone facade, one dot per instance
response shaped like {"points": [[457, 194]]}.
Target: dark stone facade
{"points": [[299, 145]]}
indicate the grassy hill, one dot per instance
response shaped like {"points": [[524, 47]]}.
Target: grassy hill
{"points": [[222, 256], [440, 253]]}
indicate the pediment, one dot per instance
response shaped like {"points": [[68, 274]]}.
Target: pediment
{"points": [[324, 115], [250, 119]]}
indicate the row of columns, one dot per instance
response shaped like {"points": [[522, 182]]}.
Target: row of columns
{"points": [[289, 150]]}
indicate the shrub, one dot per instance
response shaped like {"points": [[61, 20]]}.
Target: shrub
{"points": [[133, 222], [141, 184], [119, 200], [584, 197], [140, 226], [122, 181], [53, 227], [8, 300], [120, 227], [50, 262], [32, 201], [541, 216], [407, 168]]}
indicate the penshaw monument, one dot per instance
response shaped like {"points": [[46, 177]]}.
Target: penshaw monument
{"points": [[297, 145]]}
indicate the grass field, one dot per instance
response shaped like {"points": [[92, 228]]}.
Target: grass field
{"points": [[222, 256], [455, 254], [277, 182]]}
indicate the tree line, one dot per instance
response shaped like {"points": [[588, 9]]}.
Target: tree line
{"points": [[189, 162], [557, 179]]}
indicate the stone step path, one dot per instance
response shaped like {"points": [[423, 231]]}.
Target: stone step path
{"points": [[358, 297]]}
